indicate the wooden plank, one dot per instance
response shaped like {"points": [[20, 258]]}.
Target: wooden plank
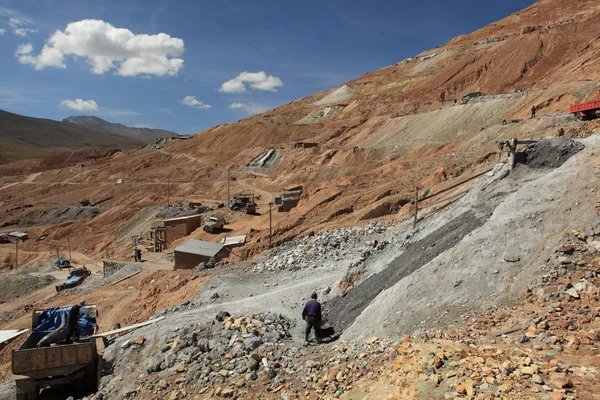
{"points": [[127, 328], [8, 335], [127, 277]]}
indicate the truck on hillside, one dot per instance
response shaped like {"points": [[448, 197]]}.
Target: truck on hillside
{"points": [[587, 110], [243, 202], [214, 224], [57, 358]]}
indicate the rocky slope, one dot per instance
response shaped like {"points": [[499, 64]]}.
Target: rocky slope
{"points": [[381, 135], [146, 135]]}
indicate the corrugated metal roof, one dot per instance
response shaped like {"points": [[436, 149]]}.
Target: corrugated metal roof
{"points": [[17, 234], [181, 218], [200, 247], [233, 240]]}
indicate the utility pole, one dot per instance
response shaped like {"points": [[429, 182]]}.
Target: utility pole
{"points": [[270, 226], [57, 256], [17, 255], [69, 244], [228, 194], [168, 190], [416, 206]]}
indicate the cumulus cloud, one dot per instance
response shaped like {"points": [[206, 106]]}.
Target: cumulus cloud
{"points": [[2, 31], [257, 80], [191, 101], [105, 48], [80, 105], [18, 26], [249, 108]]}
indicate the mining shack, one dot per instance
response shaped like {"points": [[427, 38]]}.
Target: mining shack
{"points": [[181, 226], [290, 198], [194, 252], [304, 145]]}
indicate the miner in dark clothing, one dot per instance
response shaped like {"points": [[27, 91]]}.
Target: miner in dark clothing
{"points": [[312, 315]]}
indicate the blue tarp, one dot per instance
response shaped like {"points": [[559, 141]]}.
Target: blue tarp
{"points": [[58, 317]]}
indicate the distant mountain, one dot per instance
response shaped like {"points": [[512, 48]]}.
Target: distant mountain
{"points": [[145, 135], [26, 137]]}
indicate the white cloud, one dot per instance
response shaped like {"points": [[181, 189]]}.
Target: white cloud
{"points": [[191, 101], [80, 105], [249, 108], [257, 80], [2, 31], [105, 48], [18, 27]]}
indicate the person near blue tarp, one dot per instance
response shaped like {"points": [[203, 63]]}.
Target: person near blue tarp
{"points": [[64, 324]]}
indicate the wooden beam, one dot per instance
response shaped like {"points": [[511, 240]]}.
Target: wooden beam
{"points": [[127, 328], [127, 277]]}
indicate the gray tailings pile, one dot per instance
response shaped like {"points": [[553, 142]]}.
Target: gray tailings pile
{"points": [[551, 153], [342, 311]]}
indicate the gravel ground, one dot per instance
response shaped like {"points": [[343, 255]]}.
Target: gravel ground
{"points": [[16, 285]]}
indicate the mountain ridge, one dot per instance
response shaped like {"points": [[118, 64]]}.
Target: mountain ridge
{"points": [[147, 135], [25, 137]]}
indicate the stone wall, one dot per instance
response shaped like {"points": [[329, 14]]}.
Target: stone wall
{"points": [[110, 267]]}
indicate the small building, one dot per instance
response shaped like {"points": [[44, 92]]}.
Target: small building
{"points": [[232, 242], [290, 198], [181, 227], [304, 145], [194, 252], [19, 235]]}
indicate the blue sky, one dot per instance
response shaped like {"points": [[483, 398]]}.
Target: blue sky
{"points": [[179, 64]]}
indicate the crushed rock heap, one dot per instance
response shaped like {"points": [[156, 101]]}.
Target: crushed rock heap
{"points": [[323, 247]]}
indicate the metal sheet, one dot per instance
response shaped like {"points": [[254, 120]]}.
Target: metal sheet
{"points": [[8, 335]]}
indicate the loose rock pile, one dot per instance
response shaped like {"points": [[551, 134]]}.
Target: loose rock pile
{"points": [[327, 246], [219, 357], [545, 349]]}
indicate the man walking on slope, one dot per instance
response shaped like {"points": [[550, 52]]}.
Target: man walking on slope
{"points": [[312, 315], [533, 110]]}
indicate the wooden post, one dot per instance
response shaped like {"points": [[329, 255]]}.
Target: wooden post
{"points": [[58, 256], [270, 226], [228, 194], [512, 148], [69, 244], [416, 206], [17, 255], [168, 190]]}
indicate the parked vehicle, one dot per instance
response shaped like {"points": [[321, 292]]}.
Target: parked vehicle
{"points": [[587, 110], [249, 208], [76, 278], [214, 224], [62, 263]]}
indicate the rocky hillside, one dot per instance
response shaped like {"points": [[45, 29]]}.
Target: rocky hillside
{"points": [[378, 137], [25, 137], [146, 135]]}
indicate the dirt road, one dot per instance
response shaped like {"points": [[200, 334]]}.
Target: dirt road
{"points": [[265, 197], [29, 179]]}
